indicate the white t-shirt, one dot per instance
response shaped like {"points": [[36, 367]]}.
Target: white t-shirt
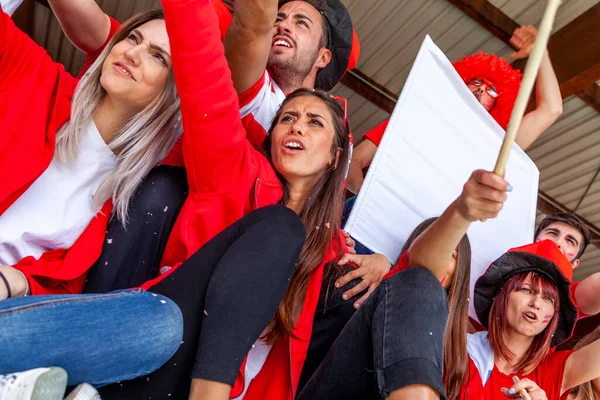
{"points": [[10, 6], [59, 205]]}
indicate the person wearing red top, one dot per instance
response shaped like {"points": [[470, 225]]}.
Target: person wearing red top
{"points": [[495, 84], [332, 316], [524, 301], [98, 138], [159, 200]]}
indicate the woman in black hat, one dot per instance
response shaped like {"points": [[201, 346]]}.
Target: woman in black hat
{"points": [[523, 299]]}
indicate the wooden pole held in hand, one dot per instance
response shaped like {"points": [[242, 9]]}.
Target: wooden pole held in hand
{"points": [[531, 70]]}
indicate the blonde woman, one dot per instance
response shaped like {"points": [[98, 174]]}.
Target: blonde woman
{"points": [[73, 153]]}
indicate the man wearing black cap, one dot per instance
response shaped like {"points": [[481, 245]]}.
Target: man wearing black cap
{"points": [[310, 46]]}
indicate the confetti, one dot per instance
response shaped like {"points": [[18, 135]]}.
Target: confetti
{"points": [[109, 241], [166, 208], [164, 302], [328, 225], [206, 313]]}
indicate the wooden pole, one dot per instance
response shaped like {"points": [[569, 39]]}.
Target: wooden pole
{"points": [[529, 76]]}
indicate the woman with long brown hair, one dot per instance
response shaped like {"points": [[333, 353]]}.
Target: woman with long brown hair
{"points": [[332, 315], [456, 283]]}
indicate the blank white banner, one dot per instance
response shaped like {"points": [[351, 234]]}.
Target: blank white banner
{"points": [[437, 136]]}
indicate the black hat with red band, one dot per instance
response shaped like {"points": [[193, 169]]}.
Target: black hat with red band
{"points": [[543, 258]]}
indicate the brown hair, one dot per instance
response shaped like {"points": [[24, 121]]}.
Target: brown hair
{"points": [[586, 391], [321, 215], [497, 321], [571, 220], [456, 361]]}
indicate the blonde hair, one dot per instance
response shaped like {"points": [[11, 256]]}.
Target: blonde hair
{"points": [[140, 145]]}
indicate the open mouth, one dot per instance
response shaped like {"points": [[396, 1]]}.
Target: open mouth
{"points": [[293, 145], [282, 42], [531, 317]]}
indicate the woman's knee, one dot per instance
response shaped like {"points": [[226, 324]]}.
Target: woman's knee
{"points": [[281, 223], [156, 331]]}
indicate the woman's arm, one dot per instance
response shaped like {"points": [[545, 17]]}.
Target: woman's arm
{"points": [[547, 91], [215, 148], [83, 22], [482, 198], [582, 366]]}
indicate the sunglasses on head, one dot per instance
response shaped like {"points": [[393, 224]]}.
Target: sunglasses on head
{"points": [[489, 88]]}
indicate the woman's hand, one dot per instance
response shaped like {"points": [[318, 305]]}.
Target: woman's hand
{"points": [[522, 39], [371, 269], [350, 243], [483, 196], [532, 391], [16, 280]]}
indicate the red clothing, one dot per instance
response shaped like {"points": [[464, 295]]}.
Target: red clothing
{"points": [[548, 375], [35, 101], [375, 134], [227, 177]]}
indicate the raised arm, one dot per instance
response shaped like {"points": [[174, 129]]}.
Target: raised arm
{"points": [[83, 22], [482, 198], [215, 148], [547, 92], [582, 366], [587, 295], [248, 41], [362, 156]]}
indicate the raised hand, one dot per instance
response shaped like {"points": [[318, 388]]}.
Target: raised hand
{"points": [[483, 196], [522, 39]]}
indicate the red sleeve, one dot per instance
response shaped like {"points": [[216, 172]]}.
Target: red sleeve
{"points": [[375, 134], [215, 150], [550, 373], [63, 271], [400, 266], [91, 57]]}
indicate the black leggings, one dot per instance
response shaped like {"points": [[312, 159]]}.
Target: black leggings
{"points": [[131, 256], [227, 291]]}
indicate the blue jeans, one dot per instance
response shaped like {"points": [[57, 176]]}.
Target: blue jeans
{"points": [[98, 339], [348, 205]]}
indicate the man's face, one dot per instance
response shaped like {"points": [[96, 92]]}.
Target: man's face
{"points": [[568, 239], [296, 38], [484, 91]]}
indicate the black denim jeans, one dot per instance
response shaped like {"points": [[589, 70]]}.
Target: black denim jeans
{"points": [[395, 339], [131, 255], [227, 292]]}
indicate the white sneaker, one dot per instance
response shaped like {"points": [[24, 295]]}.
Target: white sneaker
{"points": [[34, 384], [85, 391]]}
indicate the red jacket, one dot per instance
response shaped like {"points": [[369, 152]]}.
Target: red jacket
{"points": [[35, 101], [227, 176]]}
